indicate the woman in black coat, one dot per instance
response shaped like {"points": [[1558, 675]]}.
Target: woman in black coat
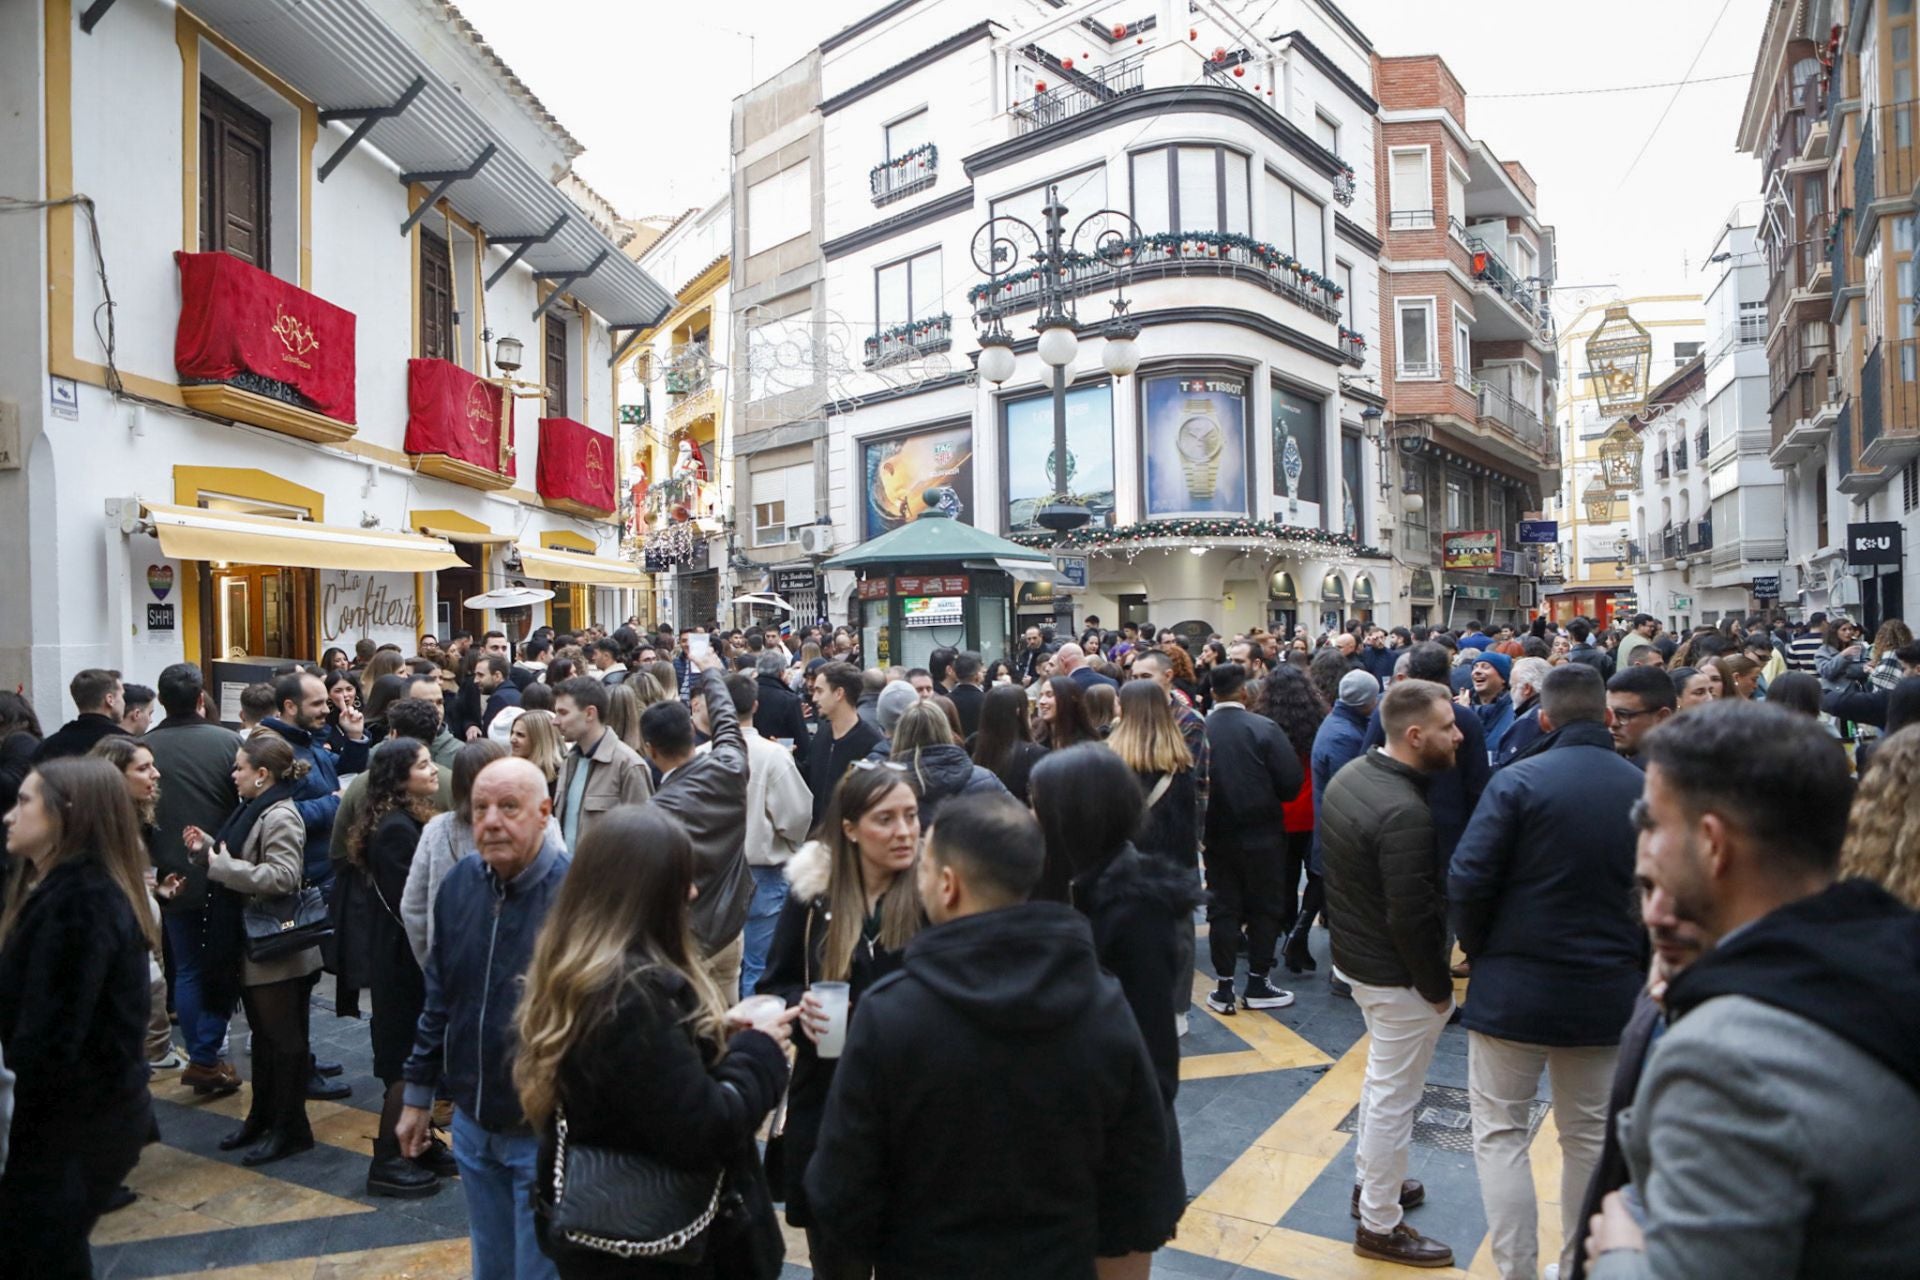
{"points": [[402, 783], [76, 935], [1089, 806], [852, 907], [1004, 744], [625, 1042], [19, 738]]}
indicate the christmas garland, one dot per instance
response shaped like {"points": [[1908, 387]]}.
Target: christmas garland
{"points": [[1354, 336], [1297, 537], [927, 149], [1199, 245], [939, 328]]}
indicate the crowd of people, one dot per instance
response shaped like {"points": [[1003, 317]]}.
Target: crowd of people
{"points": [[661, 935]]}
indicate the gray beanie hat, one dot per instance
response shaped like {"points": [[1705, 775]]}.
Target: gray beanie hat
{"points": [[1358, 690], [894, 701]]}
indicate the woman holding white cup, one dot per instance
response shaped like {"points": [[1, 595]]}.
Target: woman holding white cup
{"points": [[851, 910]]}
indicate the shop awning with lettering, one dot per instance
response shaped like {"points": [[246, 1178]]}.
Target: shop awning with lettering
{"points": [[194, 533], [555, 564]]}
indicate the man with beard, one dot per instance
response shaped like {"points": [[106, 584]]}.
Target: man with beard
{"points": [[1389, 944], [1773, 1132]]}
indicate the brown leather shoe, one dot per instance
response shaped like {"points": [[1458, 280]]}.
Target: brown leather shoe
{"points": [[1412, 1196], [1403, 1245], [219, 1079]]}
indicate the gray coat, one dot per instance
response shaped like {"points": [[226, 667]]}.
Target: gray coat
{"points": [[708, 794], [1762, 1146]]}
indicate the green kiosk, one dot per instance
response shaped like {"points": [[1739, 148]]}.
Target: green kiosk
{"points": [[935, 582]]}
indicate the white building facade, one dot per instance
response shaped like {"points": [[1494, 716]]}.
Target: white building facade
{"points": [[1241, 161], [295, 436]]}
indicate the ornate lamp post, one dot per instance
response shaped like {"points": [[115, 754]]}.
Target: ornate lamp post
{"points": [[1061, 271]]}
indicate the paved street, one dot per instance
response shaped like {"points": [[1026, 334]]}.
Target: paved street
{"points": [[1266, 1108]]}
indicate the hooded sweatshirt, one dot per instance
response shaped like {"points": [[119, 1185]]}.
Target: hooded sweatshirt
{"points": [[1773, 1132], [995, 1113]]}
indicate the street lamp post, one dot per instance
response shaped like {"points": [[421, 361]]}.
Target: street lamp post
{"points": [[1060, 272]]}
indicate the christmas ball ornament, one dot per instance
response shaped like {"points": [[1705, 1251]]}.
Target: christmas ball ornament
{"points": [[1239, 71], [1067, 63], [1119, 31], [1193, 33], [1039, 86]]}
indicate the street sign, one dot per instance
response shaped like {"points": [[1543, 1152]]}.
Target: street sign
{"points": [[1767, 588], [1875, 545], [1681, 604], [1543, 533], [1074, 570]]}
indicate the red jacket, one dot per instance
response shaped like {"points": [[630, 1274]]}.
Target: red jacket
{"points": [[1298, 812]]}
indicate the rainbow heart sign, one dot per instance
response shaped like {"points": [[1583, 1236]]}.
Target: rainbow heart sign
{"points": [[160, 579]]}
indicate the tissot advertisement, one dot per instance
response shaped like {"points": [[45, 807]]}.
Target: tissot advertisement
{"points": [[1195, 445], [1028, 451], [900, 469], [1299, 456]]}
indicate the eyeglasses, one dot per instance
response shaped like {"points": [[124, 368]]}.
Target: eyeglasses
{"points": [[1621, 713]]}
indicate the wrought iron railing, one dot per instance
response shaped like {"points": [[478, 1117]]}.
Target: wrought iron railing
{"points": [[1170, 254], [1662, 466], [910, 171], [1886, 164], [1353, 345], [1512, 417], [1081, 94], [1680, 458], [904, 341], [1702, 539], [1491, 268], [1410, 220]]}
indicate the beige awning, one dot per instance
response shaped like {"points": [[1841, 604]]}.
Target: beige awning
{"points": [[455, 527], [193, 533], [555, 564]]}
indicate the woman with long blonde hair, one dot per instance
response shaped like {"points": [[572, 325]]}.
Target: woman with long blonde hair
{"points": [[617, 995], [1883, 828], [74, 944], [536, 737], [851, 909], [623, 715]]}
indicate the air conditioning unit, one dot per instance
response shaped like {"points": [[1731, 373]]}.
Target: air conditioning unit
{"points": [[815, 539]]}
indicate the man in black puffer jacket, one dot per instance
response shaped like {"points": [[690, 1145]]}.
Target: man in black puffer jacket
{"points": [[929, 1164]]}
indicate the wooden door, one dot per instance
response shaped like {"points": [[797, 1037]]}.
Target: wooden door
{"points": [[436, 297], [235, 171]]}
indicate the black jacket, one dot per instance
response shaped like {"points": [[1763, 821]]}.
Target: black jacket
{"points": [[1451, 796], [1844, 959], [507, 695], [829, 759], [778, 716], [794, 964], [1541, 895], [195, 758], [1383, 891], [1139, 906], [1612, 1173], [995, 1113], [969, 700], [1170, 828], [1025, 662], [708, 794], [73, 1011], [1378, 663], [76, 737], [696, 1112], [939, 772], [1018, 768], [1593, 656], [16, 761], [1252, 771]]}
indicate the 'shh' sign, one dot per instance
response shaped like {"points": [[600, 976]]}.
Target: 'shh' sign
{"points": [[379, 606]]}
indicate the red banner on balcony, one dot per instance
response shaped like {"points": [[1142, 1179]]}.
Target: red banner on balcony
{"points": [[236, 318], [456, 413], [576, 463]]}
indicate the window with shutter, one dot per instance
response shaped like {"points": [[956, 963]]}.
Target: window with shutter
{"points": [[234, 173], [436, 298], [556, 344]]}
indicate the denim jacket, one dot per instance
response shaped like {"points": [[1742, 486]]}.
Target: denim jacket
{"points": [[483, 935]]}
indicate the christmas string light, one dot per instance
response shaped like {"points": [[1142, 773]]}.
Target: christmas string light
{"points": [[1130, 540]]}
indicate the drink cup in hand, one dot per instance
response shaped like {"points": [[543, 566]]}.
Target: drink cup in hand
{"points": [[758, 1012], [833, 1001]]}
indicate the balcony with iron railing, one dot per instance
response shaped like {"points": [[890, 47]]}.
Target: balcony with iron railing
{"points": [[1503, 413], [1082, 92], [691, 371], [1662, 466], [1799, 276], [1672, 542], [902, 175], [1701, 440], [1890, 404], [1886, 166], [1410, 220], [1353, 346], [1493, 273], [899, 342], [1701, 538], [1802, 389], [1680, 458], [1166, 256], [1789, 137]]}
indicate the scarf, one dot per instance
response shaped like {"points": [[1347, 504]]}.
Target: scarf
{"points": [[226, 935]]}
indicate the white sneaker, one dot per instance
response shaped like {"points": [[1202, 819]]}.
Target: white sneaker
{"points": [[172, 1062], [1552, 1272], [1180, 1027]]}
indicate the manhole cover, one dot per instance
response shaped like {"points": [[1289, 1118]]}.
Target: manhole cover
{"points": [[1444, 1119]]}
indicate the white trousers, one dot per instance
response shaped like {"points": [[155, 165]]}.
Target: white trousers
{"points": [[1503, 1076], [1404, 1029]]}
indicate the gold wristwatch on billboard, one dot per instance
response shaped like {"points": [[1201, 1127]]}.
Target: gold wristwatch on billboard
{"points": [[1199, 442]]}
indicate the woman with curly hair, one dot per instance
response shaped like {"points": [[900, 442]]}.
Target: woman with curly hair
{"points": [[1293, 702], [1883, 829], [1186, 681], [402, 784]]}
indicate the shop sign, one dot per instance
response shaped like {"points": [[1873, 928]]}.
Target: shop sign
{"points": [[1475, 593], [1539, 533], [1471, 549], [1680, 603], [156, 590], [1767, 588], [875, 588], [1074, 570], [932, 611], [950, 584], [1875, 545], [792, 581], [379, 606]]}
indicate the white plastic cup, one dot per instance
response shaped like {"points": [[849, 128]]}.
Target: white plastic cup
{"points": [[835, 1000], [757, 1012]]}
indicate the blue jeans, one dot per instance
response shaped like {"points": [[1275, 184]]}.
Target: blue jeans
{"points": [[202, 1028], [769, 895], [497, 1172]]}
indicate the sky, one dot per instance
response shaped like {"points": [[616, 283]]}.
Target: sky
{"points": [[651, 101]]}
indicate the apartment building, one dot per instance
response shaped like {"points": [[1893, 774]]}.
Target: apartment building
{"points": [[1467, 348], [300, 270]]}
